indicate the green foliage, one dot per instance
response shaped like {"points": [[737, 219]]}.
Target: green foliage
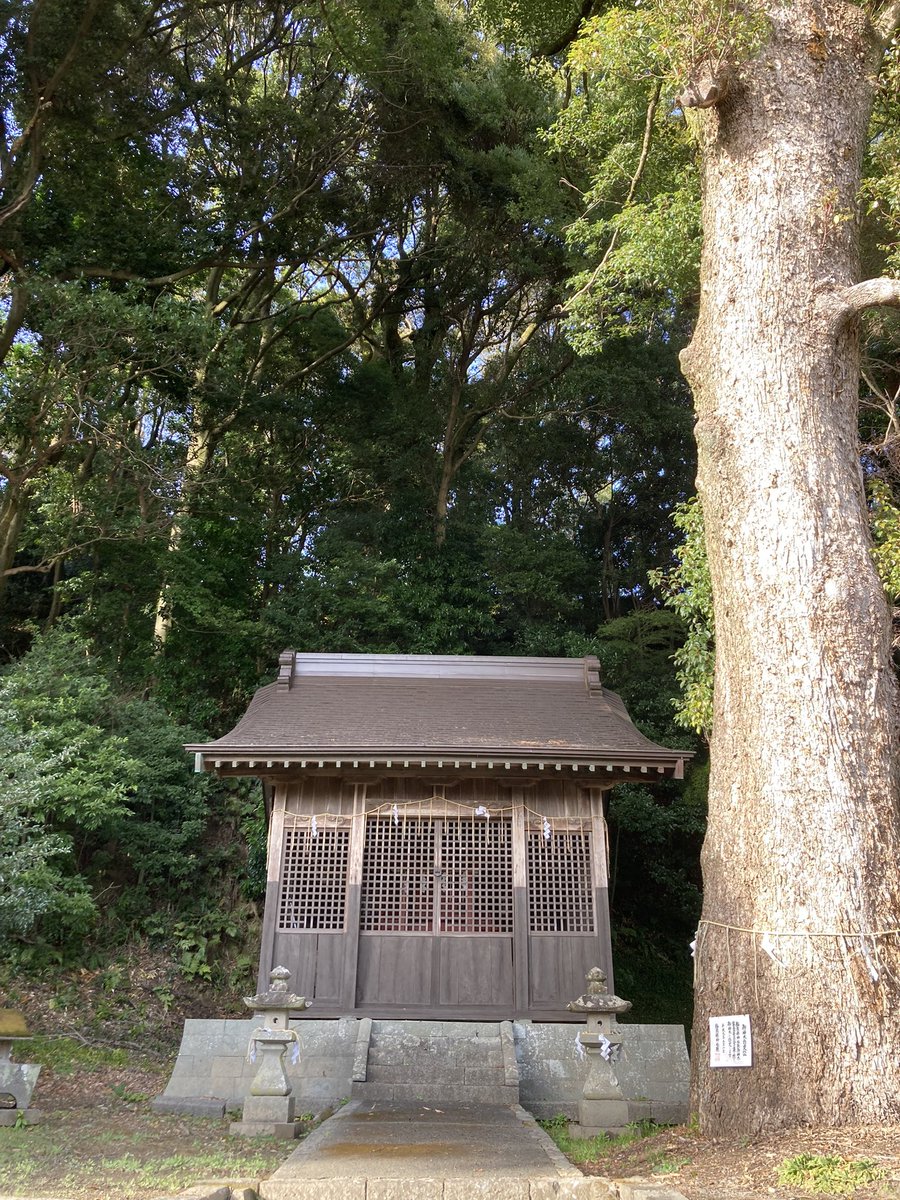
{"points": [[689, 35], [204, 938], [66, 709], [689, 592], [527, 25], [881, 184], [828, 1173], [594, 1149], [33, 882], [884, 520], [632, 160], [101, 773]]}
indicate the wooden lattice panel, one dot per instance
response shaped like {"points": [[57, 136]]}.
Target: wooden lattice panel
{"points": [[476, 876], [398, 875], [560, 895], [313, 878]]}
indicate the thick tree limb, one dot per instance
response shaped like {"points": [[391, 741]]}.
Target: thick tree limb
{"points": [[14, 319], [871, 293], [588, 8]]}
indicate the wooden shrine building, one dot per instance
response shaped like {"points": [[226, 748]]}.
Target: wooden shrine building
{"points": [[437, 844]]}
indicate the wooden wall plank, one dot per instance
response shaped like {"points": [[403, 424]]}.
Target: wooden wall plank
{"points": [[476, 971], [297, 952], [394, 969], [329, 967], [557, 967], [274, 844]]}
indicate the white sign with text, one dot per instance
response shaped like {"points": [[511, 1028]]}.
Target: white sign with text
{"points": [[730, 1042]]}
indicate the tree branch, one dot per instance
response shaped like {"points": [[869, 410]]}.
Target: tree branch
{"points": [[871, 293], [565, 39], [635, 180], [888, 21], [14, 319]]}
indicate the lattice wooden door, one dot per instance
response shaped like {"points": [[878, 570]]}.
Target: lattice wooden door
{"points": [[436, 911], [437, 875]]}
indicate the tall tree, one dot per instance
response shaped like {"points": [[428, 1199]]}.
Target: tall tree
{"points": [[802, 857]]}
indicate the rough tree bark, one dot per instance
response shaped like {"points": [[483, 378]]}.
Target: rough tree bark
{"points": [[801, 916]]}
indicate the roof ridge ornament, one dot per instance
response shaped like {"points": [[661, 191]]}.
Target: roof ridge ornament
{"points": [[592, 680], [286, 661]]}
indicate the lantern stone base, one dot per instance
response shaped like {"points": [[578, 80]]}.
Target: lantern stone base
{"points": [[20, 1116], [267, 1116], [608, 1116], [285, 1130]]}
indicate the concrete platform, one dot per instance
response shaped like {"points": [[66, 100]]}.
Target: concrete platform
{"points": [[212, 1072], [370, 1151]]}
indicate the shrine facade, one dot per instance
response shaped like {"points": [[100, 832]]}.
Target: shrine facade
{"points": [[437, 840]]}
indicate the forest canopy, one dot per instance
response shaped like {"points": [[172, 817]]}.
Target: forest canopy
{"points": [[348, 327]]}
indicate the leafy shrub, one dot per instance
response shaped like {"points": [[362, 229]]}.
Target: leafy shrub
{"points": [[99, 799], [828, 1173]]}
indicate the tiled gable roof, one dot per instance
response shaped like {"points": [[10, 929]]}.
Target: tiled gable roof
{"points": [[427, 705]]}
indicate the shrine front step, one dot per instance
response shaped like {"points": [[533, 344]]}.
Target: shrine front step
{"points": [[436, 1062]]}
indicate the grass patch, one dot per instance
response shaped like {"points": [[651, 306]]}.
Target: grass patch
{"points": [[66, 1055], [663, 1163], [79, 1155], [584, 1150], [828, 1173], [176, 1171]]}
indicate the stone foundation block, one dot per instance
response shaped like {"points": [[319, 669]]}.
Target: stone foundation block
{"points": [[15, 1116], [408, 1189], [642, 1189], [346, 1188], [285, 1130], [269, 1108], [189, 1106], [487, 1076], [670, 1114], [585, 1188], [486, 1189]]}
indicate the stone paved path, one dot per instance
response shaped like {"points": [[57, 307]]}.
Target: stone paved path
{"points": [[370, 1151]]}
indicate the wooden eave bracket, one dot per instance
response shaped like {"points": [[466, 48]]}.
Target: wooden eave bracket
{"points": [[267, 763]]}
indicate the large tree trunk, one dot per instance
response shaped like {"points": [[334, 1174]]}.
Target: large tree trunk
{"points": [[802, 859], [199, 456], [13, 510]]}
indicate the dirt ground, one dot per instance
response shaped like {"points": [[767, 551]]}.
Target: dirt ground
{"points": [[746, 1168], [100, 1139]]}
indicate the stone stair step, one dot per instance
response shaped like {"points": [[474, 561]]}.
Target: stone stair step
{"points": [[437, 1062], [436, 1094]]}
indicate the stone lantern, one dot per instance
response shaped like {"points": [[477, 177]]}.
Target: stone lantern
{"points": [[269, 1108], [603, 1107]]}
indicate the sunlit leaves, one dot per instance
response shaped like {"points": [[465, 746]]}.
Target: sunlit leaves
{"points": [[884, 521], [689, 591]]}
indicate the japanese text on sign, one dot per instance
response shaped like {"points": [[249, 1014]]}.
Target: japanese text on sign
{"points": [[730, 1043]]}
